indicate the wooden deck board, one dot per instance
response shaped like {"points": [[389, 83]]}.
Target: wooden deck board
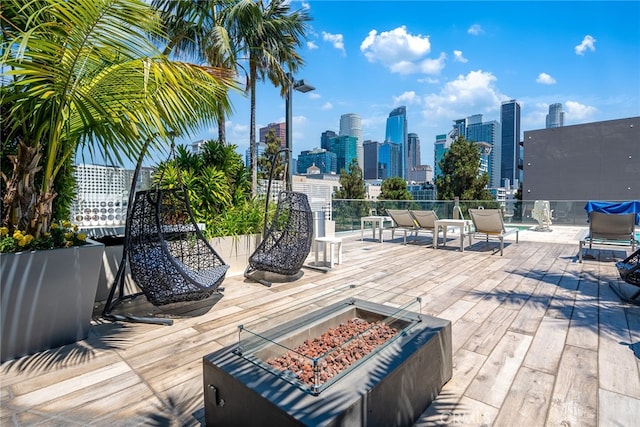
{"points": [[538, 339]]}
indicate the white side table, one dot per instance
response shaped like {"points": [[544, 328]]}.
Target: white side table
{"points": [[330, 243], [442, 224], [376, 222]]}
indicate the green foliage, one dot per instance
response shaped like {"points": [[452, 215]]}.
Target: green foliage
{"points": [[218, 186], [351, 188], [460, 177], [394, 188], [266, 159], [351, 183], [268, 34], [84, 74]]}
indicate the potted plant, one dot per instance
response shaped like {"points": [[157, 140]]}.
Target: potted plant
{"points": [[79, 75]]}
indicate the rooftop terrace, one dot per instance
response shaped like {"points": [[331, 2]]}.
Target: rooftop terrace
{"points": [[538, 339]]}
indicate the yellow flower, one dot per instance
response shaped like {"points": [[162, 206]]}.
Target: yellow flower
{"points": [[68, 236], [17, 235], [4, 231], [54, 226], [75, 228], [66, 224], [25, 240], [82, 236], [47, 234], [68, 244]]}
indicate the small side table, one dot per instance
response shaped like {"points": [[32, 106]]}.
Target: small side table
{"points": [[376, 222], [330, 243], [441, 224]]}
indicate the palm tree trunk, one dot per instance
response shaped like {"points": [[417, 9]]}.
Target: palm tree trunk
{"points": [[253, 154], [222, 134]]}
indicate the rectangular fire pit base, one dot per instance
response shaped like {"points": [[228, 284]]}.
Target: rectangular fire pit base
{"points": [[391, 388]]}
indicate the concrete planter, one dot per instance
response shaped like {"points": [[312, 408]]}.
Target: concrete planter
{"points": [[47, 298]]}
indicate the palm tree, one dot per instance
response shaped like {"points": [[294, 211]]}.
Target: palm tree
{"points": [[84, 73], [196, 29], [268, 32]]}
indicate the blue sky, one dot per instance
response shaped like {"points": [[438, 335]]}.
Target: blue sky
{"points": [[449, 60]]}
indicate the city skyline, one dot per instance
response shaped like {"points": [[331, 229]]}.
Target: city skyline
{"points": [[451, 60]]}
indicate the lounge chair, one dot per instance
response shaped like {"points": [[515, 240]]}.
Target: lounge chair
{"points": [[426, 222], [629, 271], [402, 221], [488, 223], [609, 229]]}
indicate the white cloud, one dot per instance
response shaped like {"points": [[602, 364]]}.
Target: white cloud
{"points": [[311, 45], [458, 57], [406, 98], [327, 106], [314, 95], [475, 30], [474, 93], [337, 40], [545, 79], [401, 52], [577, 112], [588, 43]]}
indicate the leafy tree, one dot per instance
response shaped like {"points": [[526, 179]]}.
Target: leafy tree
{"points": [[351, 183], [83, 73], [196, 29], [268, 32], [394, 188], [352, 187], [265, 160], [460, 177]]}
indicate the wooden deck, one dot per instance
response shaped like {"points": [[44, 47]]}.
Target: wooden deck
{"points": [[538, 339]]}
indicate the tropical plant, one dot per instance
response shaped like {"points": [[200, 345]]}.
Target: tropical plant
{"points": [[460, 176], [83, 74], [218, 187], [196, 29], [268, 32]]}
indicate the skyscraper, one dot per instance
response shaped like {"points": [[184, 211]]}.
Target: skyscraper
{"points": [[279, 129], [396, 132], [555, 118], [325, 139], [413, 152], [325, 161], [440, 147], [351, 125], [487, 134], [370, 170], [510, 152], [345, 148]]}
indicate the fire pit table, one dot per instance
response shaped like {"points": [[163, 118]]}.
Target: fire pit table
{"points": [[388, 364]]}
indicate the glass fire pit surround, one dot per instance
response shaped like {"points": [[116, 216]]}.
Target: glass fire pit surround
{"points": [[317, 350], [390, 385]]}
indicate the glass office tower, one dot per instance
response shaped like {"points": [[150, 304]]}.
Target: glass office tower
{"points": [[396, 132], [555, 118], [351, 125], [510, 144]]}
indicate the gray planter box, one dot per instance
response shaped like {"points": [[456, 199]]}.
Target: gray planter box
{"points": [[47, 298]]}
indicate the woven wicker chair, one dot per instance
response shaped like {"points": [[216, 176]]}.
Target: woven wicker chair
{"points": [[629, 271], [286, 242], [169, 258]]}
